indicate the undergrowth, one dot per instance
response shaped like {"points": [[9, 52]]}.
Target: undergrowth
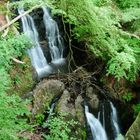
{"points": [[12, 108]]}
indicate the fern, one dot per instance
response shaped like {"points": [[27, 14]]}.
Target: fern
{"points": [[128, 3], [12, 47], [12, 108], [98, 25]]}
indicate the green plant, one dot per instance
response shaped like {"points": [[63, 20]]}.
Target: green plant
{"points": [[98, 24], [39, 119], [12, 47], [127, 97], [128, 3], [136, 109], [12, 110], [59, 128]]}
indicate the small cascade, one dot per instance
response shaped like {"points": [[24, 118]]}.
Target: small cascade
{"points": [[107, 115], [102, 114], [98, 132], [36, 54], [51, 110], [55, 40], [114, 121]]}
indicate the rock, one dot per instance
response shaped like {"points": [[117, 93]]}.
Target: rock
{"points": [[93, 99], [74, 111], [44, 93], [79, 110], [134, 131], [65, 106]]}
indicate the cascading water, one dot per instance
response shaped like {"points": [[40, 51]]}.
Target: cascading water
{"points": [[114, 122], [98, 132], [36, 54], [107, 115], [55, 40]]}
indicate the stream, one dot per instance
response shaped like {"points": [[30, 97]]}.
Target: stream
{"points": [[103, 127]]}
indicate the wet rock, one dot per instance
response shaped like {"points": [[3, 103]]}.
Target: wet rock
{"points": [[44, 93], [93, 98], [73, 110], [65, 106], [79, 109], [134, 131]]}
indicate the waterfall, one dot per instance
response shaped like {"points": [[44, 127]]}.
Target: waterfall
{"points": [[98, 132], [107, 115], [55, 40], [35, 53], [114, 121]]}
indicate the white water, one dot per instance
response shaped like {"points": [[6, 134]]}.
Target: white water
{"points": [[51, 111], [36, 54], [115, 123], [55, 41], [98, 132]]}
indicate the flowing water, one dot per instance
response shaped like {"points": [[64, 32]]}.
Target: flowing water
{"points": [[105, 126], [36, 54], [115, 124], [55, 40], [97, 130]]}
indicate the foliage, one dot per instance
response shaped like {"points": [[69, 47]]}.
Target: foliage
{"points": [[39, 119], [30, 3], [98, 23], [12, 47], [12, 108], [136, 109], [127, 97], [59, 129], [128, 3], [99, 26]]}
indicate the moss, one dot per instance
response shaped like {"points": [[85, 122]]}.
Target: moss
{"points": [[133, 132]]}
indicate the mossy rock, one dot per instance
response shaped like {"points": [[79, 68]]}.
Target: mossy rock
{"points": [[44, 93], [134, 131]]}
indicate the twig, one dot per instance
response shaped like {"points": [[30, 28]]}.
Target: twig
{"points": [[18, 17], [17, 61]]}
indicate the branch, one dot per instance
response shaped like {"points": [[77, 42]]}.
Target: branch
{"points": [[17, 61], [18, 17]]}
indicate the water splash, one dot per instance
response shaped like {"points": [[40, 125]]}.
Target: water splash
{"points": [[98, 132]]}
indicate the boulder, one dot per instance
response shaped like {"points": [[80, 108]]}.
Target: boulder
{"points": [[80, 110], [73, 109], [134, 131], [65, 106], [44, 93]]}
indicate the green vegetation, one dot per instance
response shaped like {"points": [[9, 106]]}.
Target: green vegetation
{"points": [[12, 108], [110, 29], [98, 24], [136, 109], [59, 129], [127, 97]]}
